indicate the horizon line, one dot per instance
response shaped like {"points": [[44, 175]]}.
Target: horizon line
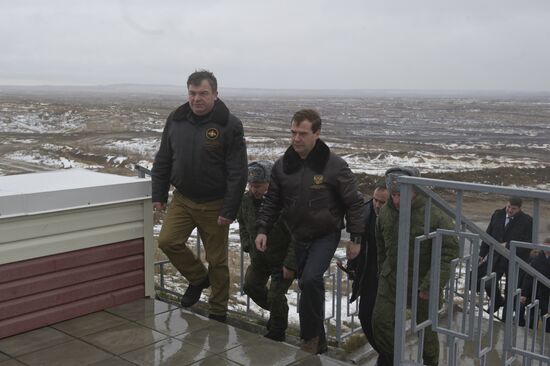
{"points": [[394, 90]]}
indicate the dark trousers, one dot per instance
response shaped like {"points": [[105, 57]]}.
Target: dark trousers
{"points": [[499, 299], [482, 271], [366, 306], [543, 309], [313, 259]]}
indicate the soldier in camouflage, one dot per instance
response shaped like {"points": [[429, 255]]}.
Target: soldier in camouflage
{"points": [[277, 262], [387, 229]]}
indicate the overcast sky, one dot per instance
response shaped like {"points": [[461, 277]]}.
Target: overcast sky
{"points": [[313, 44]]}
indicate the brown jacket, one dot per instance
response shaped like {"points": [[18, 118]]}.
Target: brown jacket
{"points": [[314, 195]]}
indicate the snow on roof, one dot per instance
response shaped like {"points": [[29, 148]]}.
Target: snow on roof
{"points": [[26, 194]]}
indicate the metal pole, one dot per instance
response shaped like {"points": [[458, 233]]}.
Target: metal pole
{"points": [[242, 272], [402, 273], [338, 305], [536, 217]]}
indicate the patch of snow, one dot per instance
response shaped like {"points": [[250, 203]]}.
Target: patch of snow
{"points": [[146, 147], [35, 157]]}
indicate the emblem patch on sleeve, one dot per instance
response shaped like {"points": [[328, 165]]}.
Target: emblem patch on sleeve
{"points": [[318, 179]]}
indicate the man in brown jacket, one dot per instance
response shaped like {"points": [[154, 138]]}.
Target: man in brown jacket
{"points": [[314, 189]]}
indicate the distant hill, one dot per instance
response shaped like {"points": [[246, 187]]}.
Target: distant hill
{"points": [[181, 90]]}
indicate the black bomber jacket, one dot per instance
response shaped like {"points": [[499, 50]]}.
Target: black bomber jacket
{"points": [[203, 158]]}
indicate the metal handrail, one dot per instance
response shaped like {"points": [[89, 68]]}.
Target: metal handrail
{"points": [[467, 328]]}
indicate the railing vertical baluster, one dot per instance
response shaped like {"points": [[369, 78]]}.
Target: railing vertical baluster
{"points": [[402, 272], [242, 272], [536, 220], [162, 275], [427, 215], [198, 244], [338, 305]]}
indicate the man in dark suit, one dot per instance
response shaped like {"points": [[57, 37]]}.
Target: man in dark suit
{"points": [[364, 264], [507, 224], [540, 262]]}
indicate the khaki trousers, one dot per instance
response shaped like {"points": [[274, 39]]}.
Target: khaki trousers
{"points": [[182, 218]]}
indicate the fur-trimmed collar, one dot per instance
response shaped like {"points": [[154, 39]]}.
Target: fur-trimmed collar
{"points": [[219, 114], [316, 160]]}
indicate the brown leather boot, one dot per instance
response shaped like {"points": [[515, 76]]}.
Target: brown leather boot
{"points": [[311, 345]]}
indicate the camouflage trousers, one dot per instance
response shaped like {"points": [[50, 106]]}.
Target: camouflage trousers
{"points": [[272, 298], [383, 324]]}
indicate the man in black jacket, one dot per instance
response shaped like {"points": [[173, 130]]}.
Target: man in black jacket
{"points": [[507, 224], [203, 155], [540, 262], [314, 189], [364, 264]]}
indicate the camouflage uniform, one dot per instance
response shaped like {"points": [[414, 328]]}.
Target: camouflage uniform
{"points": [[387, 228], [266, 264]]}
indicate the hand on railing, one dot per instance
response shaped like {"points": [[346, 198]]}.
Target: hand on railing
{"points": [[346, 270]]}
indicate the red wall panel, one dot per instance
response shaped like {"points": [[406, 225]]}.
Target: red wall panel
{"points": [[42, 291]]}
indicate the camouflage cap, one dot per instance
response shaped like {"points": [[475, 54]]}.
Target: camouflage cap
{"points": [[259, 171], [392, 174]]}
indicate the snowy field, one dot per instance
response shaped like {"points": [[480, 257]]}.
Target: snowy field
{"points": [[501, 136], [437, 134]]}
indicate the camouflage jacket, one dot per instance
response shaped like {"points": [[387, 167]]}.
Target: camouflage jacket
{"points": [[387, 229], [280, 251]]}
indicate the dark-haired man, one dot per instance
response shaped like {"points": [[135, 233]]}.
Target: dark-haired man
{"points": [[203, 155], [364, 264], [314, 189], [540, 262], [507, 224]]}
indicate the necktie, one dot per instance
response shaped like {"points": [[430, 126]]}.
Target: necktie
{"points": [[508, 220]]}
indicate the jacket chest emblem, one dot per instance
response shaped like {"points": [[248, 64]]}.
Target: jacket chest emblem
{"points": [[212, 133], [318, 179]]}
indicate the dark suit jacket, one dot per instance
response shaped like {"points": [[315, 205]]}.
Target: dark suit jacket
{"points": [[365, 264], [519, 229], [541, 264]]}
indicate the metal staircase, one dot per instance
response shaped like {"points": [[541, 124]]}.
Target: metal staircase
{"points": [[469, 331]]}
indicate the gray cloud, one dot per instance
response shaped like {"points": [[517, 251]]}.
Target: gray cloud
{"points": [[487, 45]]}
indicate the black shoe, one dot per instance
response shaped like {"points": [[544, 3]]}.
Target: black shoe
{"points": [[193, 294], [276, 336], [218, 318], [268, 324]]}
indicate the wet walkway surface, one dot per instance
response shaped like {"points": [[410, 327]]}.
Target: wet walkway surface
{"points": [[148, 332]]}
